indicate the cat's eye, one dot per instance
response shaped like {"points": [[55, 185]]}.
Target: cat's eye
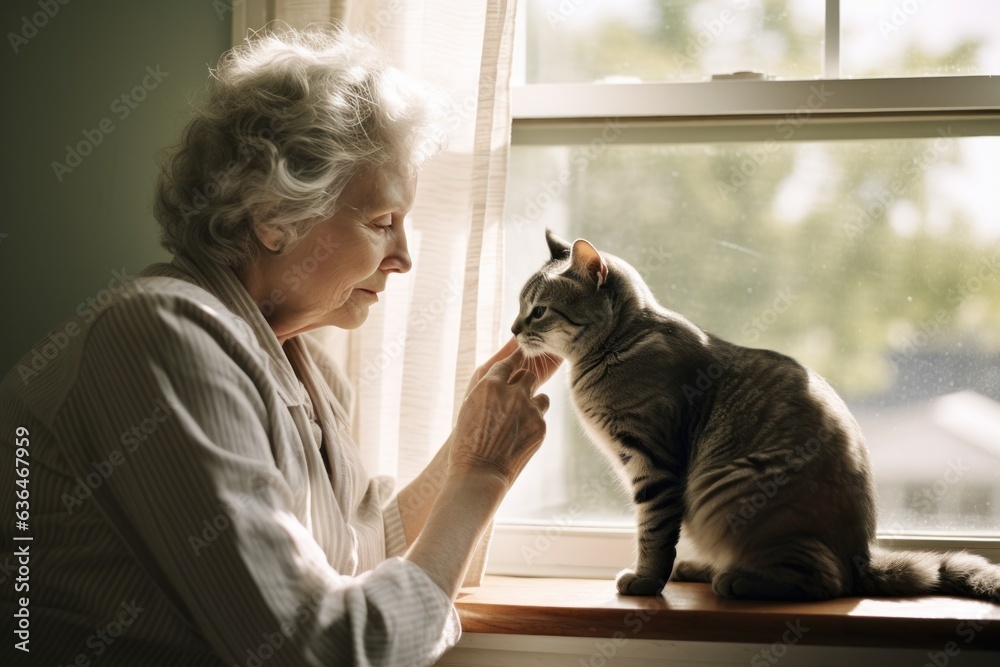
{"points": [[537, 312]]}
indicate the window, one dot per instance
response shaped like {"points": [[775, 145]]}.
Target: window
{"points": [[848, 223], [675, 40]]}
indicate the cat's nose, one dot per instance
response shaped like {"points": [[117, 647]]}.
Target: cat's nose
{"points": [[517, 328]]}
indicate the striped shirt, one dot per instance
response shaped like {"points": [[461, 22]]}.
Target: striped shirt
{"points": [[195, 495]]}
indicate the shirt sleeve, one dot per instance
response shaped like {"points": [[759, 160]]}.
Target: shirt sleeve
{"points": [[202, 497]]}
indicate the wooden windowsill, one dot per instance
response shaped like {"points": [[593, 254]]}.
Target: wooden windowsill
{"points": [[692, 612]]}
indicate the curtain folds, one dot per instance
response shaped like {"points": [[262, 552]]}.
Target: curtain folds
{"points": [[411, 362]]}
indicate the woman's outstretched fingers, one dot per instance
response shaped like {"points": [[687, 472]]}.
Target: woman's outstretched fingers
{"points": [[506, 367], [503, 353], [509, 348], [524, 377], [517, 375], [500, 424]]}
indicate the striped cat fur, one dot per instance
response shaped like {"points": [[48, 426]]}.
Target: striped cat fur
{"points": [[755, 455]]}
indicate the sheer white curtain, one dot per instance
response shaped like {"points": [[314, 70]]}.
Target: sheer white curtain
{"points": [[411, 362]]}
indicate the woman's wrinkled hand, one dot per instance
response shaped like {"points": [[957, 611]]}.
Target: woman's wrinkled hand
{"points": [[501, 424], [543, 367]]}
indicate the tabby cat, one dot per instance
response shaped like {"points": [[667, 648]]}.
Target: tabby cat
{"points": [[753, 453]]}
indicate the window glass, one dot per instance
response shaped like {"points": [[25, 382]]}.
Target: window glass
{"points": [[671, 40], [876, 263], [887, 38]]}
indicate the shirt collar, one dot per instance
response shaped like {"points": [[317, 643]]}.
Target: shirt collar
{"points": [[222, 283]]}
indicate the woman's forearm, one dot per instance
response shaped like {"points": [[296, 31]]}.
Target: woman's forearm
{"points": [[416, 498], [454, 524], [499, 427]]}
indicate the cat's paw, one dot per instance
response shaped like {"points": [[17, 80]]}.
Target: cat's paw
{"points": [[630, 583]]}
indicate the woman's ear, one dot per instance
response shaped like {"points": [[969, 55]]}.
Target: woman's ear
{"points": [[269, 237]]}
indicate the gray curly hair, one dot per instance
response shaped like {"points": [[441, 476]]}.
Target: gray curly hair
{"points": [[290, 118]]}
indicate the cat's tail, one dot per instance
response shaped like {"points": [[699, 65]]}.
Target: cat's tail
{"points": [[909, 573]]}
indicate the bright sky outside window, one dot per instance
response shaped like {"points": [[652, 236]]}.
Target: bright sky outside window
{"points": [[919, 38]]}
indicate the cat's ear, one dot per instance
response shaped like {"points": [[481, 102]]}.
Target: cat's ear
{"points": [[560, 249], [589, 262]]}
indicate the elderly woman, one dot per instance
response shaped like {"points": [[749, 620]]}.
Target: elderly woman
{"points": [[195, 498]]}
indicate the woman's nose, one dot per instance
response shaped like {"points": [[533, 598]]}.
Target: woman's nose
{"points": [[398, 260]]}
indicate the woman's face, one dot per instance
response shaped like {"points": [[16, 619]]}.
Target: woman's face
{"points": [[335, 273]]}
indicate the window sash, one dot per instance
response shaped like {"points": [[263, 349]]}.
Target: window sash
{"points": [[731, 100], [771, 128]]}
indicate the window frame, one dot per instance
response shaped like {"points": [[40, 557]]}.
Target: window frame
{"points": [[808, 99], [828, 108]]}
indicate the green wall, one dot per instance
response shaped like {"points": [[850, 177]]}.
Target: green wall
{"points": [[68, 240]]}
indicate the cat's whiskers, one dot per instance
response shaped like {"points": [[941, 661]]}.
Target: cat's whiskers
{"points": [[537, 363]]}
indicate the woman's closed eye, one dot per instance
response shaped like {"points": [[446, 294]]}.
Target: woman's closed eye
{"points": [[382, 222]]}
